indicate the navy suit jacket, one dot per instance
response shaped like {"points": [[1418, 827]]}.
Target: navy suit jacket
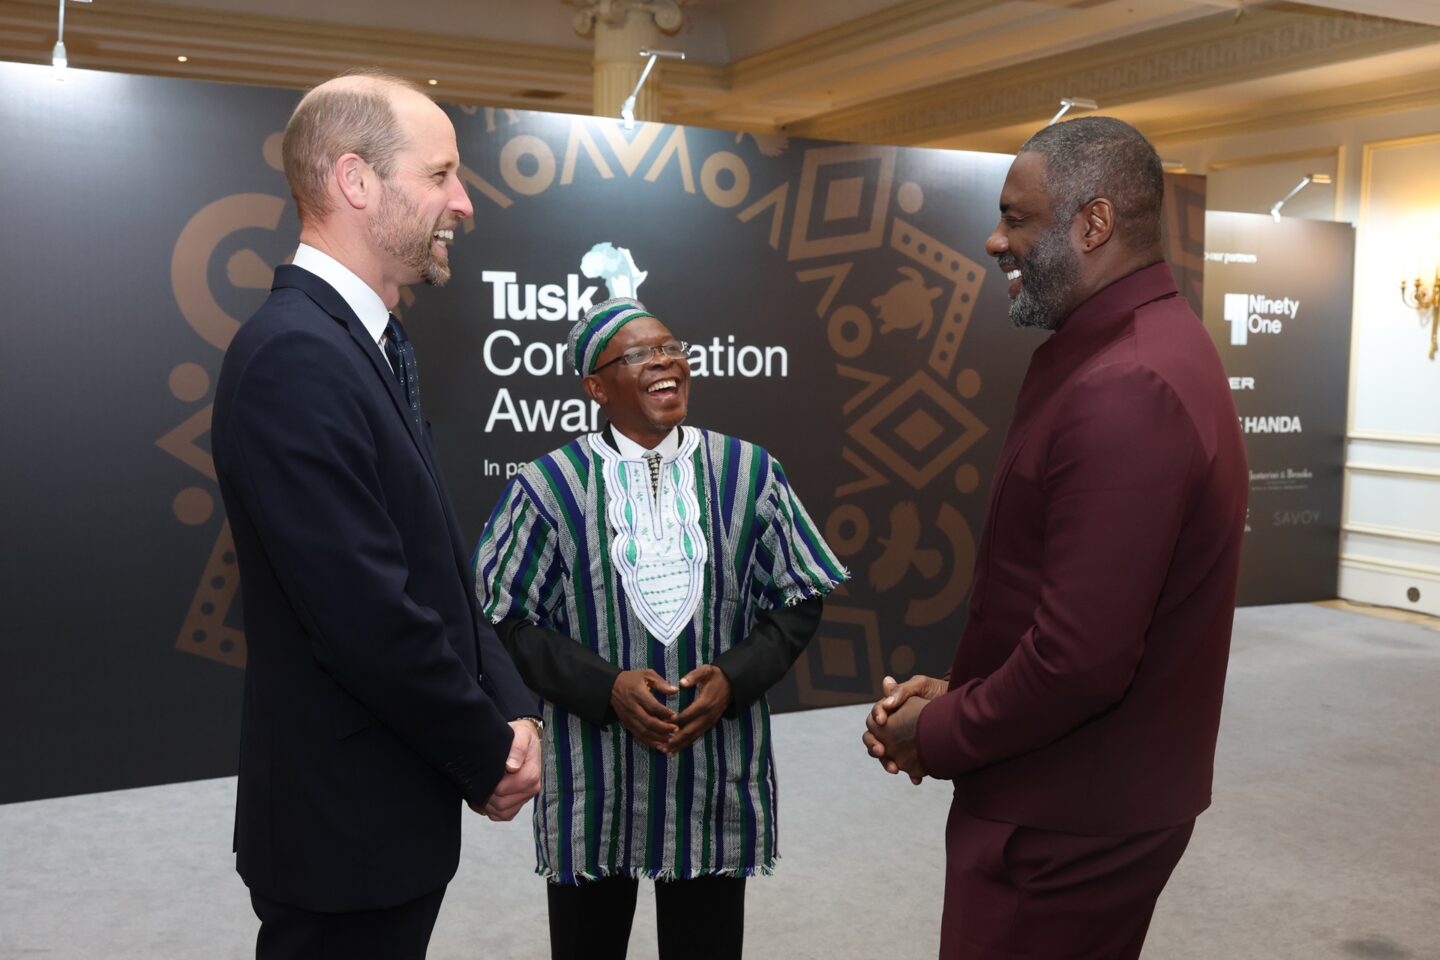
{"points": [[1085, 693], [376, 697]]}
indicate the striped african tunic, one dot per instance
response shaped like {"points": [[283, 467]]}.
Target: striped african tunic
{"points": [[610, 806]]}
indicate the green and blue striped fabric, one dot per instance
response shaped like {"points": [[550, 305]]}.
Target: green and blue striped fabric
{"points": [[610, 806]]}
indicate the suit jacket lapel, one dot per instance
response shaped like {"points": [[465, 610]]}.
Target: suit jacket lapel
{"points": [[329, 300]]}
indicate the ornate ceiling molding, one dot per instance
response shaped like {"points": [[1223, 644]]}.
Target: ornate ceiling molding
{"points": [[1194, 56], [1410, 92], [860, 45], [138, 37], [145, 37]]}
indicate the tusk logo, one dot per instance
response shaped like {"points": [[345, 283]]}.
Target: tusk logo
{"points": [[616, 267]]}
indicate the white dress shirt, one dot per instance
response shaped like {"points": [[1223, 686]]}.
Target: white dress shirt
{"points": [[355, 292], [630, 450]]}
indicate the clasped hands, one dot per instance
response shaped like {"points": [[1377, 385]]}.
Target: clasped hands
{"points": [[521, 779], [891, 724], [636, 695]]}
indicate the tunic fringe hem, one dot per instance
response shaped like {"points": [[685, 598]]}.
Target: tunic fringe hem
{"points": [[765, 869]]}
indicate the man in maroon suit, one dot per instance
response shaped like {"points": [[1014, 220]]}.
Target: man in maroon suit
{"points": [[1079, 718]]}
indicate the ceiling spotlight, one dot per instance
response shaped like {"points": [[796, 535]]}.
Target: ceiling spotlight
{"points": [[183, 59], [58, 58], [1305, 181], [1067, 102], [432, 82], [627, 109]]}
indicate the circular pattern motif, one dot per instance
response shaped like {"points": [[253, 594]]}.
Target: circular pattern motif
{"points": [[193, 506], [189, 382], [272, 152], [911, 198], [847, 529], [968, 383], [850, 331], [967, 479]]}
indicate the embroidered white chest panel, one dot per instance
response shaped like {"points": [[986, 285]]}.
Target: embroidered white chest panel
{"points": [[659, 548]]}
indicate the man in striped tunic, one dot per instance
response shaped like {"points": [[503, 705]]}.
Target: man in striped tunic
{"points": [[651, 582]]}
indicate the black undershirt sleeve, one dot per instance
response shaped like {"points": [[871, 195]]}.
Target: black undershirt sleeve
{"points": [[579, 681], [758, 662]]}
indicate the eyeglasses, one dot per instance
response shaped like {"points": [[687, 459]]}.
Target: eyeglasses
{"points": [[675, 350]]}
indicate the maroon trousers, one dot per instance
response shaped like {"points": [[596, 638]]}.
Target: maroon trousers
{"points": [[1017, 893]]}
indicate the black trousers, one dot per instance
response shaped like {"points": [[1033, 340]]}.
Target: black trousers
{"points": [[698, 919], [399, 933]]}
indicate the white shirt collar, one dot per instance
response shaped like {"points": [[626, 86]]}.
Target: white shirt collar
{"points": [[356, 292], [630, 450]]}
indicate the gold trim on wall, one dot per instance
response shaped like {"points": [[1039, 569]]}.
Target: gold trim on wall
{"points": [[1376, 565], [1391, 533], [1362, 221], [1262, 159], [1386, 469], [1416, 439]]}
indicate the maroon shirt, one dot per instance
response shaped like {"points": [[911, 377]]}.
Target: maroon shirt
{"points": [[1085, 693]]}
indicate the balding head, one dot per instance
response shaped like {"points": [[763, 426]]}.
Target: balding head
{"points": [[354, 113]]}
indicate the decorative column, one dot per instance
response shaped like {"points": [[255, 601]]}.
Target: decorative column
{"points": [[621, 29]]}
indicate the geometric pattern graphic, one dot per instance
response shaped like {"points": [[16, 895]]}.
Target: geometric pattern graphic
{"points": [[907, 424], [918, 430], [205, 632], [844, 195], [843, 662], [964, 273], [180, 443], [209, 628], [894, 304]]}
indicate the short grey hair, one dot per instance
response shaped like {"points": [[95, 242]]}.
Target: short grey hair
{"points": [[1092, 157]]}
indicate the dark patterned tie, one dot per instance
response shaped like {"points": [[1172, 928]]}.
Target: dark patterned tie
{"points": [[402, 359], [652, 460]]}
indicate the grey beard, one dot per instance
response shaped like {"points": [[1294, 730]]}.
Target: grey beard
{"points": [[397, 231], [434, 273], [1046, 278]]}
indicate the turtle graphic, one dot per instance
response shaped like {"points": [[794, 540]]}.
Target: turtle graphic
{"points": [[908, 304]]}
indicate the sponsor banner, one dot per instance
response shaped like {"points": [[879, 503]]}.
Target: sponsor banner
{"points": [[1277, 302], [837, 299]]}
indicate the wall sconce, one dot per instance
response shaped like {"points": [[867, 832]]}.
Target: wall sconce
{"points": [[1424, 302], [1305, 181]]}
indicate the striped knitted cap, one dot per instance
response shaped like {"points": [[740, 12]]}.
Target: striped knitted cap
{"points": [[590, 336]]}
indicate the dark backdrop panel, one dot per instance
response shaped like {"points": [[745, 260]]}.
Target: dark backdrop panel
{"points": [[843, 312], [842, 306], [110, 506], [1278, 303]]}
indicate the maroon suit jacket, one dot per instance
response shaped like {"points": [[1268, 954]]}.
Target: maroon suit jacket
{"points": [[1085, 693]]}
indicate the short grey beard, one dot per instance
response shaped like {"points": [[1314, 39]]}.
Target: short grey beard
{"points": [[392, 231], [1047, 276]]}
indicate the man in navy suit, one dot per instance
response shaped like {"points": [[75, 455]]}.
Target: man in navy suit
{"points": [[1079, 718], [376, 698]]}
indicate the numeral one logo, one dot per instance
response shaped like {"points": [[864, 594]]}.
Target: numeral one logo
{"points": [[1237, 314]]}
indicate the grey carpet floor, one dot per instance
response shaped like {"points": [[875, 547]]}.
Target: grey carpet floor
{"points": [[1323, 842]]}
